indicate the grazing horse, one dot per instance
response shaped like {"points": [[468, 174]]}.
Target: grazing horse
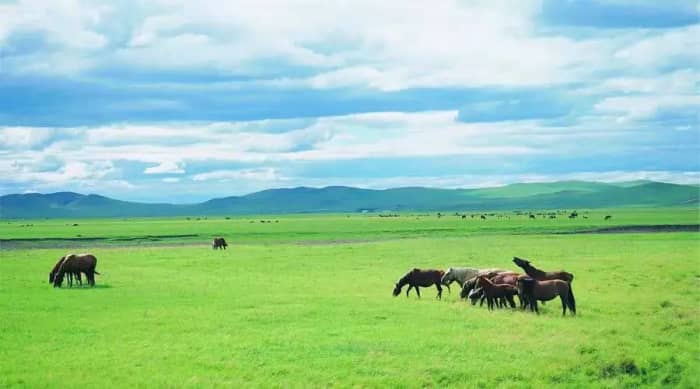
{"points": [[608, 217], [54, 271], [219, 243], [417, 277], [542, 275], [74, 263], [535, 290], [494, 291]]}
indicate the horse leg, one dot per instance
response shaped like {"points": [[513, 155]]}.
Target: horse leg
{"points": [[417, 291], [439, 295], [408, 290], [489, 303], [91, 277], [481, 302], [511, 301], [564, 303]]}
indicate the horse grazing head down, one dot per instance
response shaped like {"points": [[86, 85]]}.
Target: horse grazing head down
{"points": [[397, 290], [448, 276]]}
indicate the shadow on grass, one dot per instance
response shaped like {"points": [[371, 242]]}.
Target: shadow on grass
{"points": [[85, 287]]}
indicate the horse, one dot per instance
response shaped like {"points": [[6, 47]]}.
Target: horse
{"points": [[219, 243], [494, 291], [535, 290], [540, 275], [417, 277], [470, 284], [54, 271], [73, 263], [458, 274]]}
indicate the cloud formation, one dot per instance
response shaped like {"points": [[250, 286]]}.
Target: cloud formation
{"points": [[243, 96]]}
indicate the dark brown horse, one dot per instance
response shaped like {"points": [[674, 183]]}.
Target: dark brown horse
{"points": [[219, 243], [418, 277], [542, 275], [77, 263], [495, 291], [70, 276], [535, 291]]}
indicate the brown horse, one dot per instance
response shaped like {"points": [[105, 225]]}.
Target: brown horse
{"points": [[494, 291], [535, 290], [219, 243], [542, 275], [70, 276], [417, 277], [74, 263]]}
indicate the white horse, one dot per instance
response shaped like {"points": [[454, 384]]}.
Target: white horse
{"points": [[462, 274]]}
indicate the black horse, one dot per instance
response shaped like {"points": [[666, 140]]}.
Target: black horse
{"points": [[219, 243]]}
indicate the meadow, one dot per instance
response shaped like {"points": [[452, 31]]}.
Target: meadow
{"points": [[305, 301]]}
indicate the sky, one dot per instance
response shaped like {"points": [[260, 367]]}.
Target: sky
{"points": [[183, 101]]}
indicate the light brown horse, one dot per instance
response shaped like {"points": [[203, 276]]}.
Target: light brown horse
{"points": [[535, 290], [542, 275], [417, 277], [494, 291]]}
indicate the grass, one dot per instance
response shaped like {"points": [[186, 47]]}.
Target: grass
{"points": [[269, 313]]}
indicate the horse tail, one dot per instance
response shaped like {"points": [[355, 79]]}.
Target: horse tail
{"points": [[96, 272], [572, 300]]}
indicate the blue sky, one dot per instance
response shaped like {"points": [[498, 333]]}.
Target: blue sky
{"points": [[183, 101]]}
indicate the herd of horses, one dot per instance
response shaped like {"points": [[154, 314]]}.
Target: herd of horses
{"points": [[497, 286]]}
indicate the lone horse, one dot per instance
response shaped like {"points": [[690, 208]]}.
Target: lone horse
{"points": [[76, 263], [535, 290], [542, 275], [417, 277], [219, 243]]}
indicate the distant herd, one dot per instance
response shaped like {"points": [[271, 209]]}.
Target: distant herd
{"points": [[497, 286]]}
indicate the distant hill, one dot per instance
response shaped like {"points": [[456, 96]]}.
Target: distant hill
{"points": [[565, 194]]}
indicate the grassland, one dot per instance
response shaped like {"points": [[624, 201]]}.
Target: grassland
{"points": [[280, 309]]}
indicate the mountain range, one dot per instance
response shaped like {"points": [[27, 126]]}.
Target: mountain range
{"points": [[341, 199]]}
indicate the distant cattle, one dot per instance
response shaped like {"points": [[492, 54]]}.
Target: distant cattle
{"points": [[608, 217], [483, 217], [219, 243], [532, 216]]}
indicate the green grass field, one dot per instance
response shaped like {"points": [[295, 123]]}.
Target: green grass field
{"points": [[306, 302]]}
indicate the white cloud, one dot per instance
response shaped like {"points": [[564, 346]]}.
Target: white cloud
{"points": [[645, 106], [257, 174], [165, 168], [379, 45]]}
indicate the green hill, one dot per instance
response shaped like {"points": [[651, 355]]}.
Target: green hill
{"points": [[568, 194]]}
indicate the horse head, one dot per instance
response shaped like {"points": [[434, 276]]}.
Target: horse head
{"points": [[475, 295], [397, 290], [447, 276], [521, 262]]}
